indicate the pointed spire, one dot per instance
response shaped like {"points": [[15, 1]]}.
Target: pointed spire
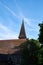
{"points": [[22, 34]]}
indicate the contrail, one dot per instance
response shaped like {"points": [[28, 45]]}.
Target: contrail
{"points": [[19, 16], [5, 6]]}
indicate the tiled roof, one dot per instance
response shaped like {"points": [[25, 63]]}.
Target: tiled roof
{"points": [[8, 46]]}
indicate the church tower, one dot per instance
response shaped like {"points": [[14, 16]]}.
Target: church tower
{"points": [[22, 34]]}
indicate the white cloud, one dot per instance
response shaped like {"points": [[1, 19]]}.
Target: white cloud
{"points": [[4, 28], [27, 21], [7, 33], [21, 15]]}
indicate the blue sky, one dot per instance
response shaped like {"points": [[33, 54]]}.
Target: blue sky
{"points": [[13, 11]]}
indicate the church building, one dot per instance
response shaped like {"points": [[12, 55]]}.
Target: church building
{"points": [[11, 48]]}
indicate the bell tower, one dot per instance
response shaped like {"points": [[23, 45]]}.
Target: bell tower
{"points": [[22, 34]]}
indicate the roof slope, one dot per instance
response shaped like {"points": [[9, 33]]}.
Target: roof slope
{"points": [[10, 46]]}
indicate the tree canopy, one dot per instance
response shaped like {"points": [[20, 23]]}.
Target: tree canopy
{"points": [[41, 33], [30, 52]]}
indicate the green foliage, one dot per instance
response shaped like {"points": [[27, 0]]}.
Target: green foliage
{"points": [[41, 54], [41, 33], [35, 43], [30, 52]]}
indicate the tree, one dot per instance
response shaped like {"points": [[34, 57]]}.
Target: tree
{"points": [[41, 56], [30, 52], [41, 41], [41, 33]]}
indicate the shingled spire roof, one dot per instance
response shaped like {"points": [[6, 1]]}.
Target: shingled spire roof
{"points": [[22, 34]]}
